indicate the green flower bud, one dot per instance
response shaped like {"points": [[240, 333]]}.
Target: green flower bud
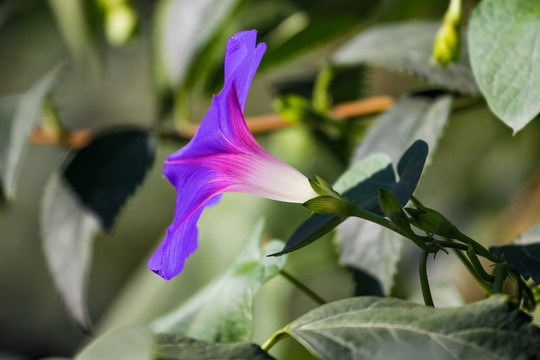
{"points": [[433, 222], [447, 42]]}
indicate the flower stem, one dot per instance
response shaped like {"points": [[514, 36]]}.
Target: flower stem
{"points": [[472, 271], [424, 282], [303, 288], [501, 271], [473, 257]]}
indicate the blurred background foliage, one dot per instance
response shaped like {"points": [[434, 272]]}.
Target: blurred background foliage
{"points": [[142, 64]]}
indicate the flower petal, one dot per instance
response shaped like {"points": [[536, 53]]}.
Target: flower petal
{"points": [[223, 157], [242, 59], [197, 187]]}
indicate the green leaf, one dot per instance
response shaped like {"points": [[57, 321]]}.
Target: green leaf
{"points": [[419, 116], [316, 34], [183, 28], [85, 198], [134, 343], [173, 347], [505, 36], [386, 328], [360, 184], [524, 253], [106, 172], [368, 247], [18, 115], [222, 310], [407, 47]]}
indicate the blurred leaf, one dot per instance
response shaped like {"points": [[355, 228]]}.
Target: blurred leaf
{"points": [[68, 230], [106, 172], [524, 253], [71, 18], [222, 310], [360, 184], [367, 246], [84, 199], [371, 248], [173, 347], [365, 284], [134, 343], [407, 47], [317, 33], [419, 116], [504, 37], [386, 328], [182, 29], [18, 115]]}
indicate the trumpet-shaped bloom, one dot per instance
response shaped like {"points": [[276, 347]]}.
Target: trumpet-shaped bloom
{"points": [[223, 157]]}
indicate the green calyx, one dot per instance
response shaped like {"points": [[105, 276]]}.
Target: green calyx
{"points": [[329, 201]]}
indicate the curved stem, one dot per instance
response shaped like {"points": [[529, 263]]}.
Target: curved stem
{"points": [[501, 271], [471, 269], [303, 288], [276, 337], [368, 215], [471, 253], [424, 282]]}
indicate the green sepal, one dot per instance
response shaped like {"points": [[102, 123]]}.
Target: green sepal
{"points": [[328, 204], [389, 204], [392, 209], [321, 187]]}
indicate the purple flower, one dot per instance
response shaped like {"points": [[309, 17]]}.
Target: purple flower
{"points": [[223, 157]]}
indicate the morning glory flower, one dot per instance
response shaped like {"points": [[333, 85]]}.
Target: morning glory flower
{"points": [[223, 157]]}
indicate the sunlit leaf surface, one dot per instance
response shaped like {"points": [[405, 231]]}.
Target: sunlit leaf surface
{"points": [[222, 311], [408, 47], [505, 37], [386, 328]]}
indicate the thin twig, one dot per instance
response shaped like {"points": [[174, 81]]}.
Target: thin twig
{"points": [[257, 124]]}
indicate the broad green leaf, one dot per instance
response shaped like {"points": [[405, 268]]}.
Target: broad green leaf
{"points": [[174, 347], [504, 36], [222, 310], [419, 116], [360, 184], [364, 245], [182, 29], [18, 115], [85, 198], [386, 328], [133, 343], [524, 253], [408, 47]]}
